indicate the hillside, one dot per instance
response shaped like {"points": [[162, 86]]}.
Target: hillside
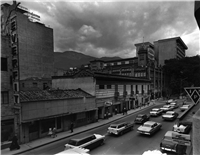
{"points": [[67, 59]]}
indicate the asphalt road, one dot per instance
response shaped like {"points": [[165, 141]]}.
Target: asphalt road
{"points": [[129, 143]]}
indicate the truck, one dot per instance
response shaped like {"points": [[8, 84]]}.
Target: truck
{"points": [[120, 128]]}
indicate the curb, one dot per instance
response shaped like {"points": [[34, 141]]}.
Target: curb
{"points": [[81, 131]]}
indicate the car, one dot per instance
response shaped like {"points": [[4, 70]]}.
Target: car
{"points": [[166, 108], [171, 139], [182, 127], [89, 142], [170, 115], [74, 151], [169, 101], [185, 107], [141, 118], [156, 112], [120, 128], [174, 105], [149, 128]]}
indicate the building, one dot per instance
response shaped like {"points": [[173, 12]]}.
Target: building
{"points": [[170, 48], [8, 118], [111, 91], [31, 54], [44, 109]]}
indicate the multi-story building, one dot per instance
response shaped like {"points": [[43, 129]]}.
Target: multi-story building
{"points": [[31, 52], [111, 91], [170, 48], [8, 119]]}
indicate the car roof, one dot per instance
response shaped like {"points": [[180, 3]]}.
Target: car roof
{"points": [[170, 133], [170, 112], [155, 109], [173, 103], [141, 114], [150, 122]]}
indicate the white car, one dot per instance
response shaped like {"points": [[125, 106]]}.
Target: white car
{"points": [[155, 112], [74, 151], [149, 128], [166, 108], [170, 115], [89, 142], [184, 107], [174, 105]]}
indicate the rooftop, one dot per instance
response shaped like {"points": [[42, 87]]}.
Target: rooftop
{"points": [[42, 95]]}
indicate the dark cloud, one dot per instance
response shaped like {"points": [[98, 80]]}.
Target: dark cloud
{"points": [[112, 28]]}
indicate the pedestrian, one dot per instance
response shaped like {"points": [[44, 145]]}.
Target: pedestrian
{"points": [[72, 127], [115, 111], [148, 103], [50, 132], [14, 144], [54, 132]]}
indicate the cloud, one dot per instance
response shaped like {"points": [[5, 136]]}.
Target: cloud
{"points": [[112, 28]]}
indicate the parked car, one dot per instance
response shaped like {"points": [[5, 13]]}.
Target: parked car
{"points": [[156, 112], [171, 139], [169, 101], [170, 115], [166, 108], [120, 128], [184, 107], [74, 151], [149, 128], [141, 118], [174, 105], [89, 142], [182, 127]]}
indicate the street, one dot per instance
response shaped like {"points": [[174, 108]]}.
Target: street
{"points": [[129, 143]]}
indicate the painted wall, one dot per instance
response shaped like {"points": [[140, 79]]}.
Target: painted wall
{"points": [[42, 109]]}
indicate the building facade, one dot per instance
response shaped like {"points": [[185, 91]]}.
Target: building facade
{"points": [[112, 92], [170, 48]]}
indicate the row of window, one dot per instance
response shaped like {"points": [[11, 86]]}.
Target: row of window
{"points": [[141, 74], [119, 63]]}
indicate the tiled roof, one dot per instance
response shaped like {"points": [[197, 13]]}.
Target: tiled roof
{"points": [[38, 95]]}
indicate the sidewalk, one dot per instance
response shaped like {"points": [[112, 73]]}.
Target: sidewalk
{"points": [[62, 135]]}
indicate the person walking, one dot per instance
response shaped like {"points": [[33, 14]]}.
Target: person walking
{"points": [[14, 144], [54, 132], [72, 127], [50, 132]]}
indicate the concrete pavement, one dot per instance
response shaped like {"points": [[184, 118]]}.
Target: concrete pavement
{"points": [[62, 135]]}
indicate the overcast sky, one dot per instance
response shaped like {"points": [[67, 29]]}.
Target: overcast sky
{"points": [[102, 28]]}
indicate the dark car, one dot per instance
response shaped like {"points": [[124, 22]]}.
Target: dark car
{"points": [[141, 118], [89, 142], [183, 127]]}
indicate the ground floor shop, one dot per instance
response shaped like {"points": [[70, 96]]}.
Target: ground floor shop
{"points": [[36, 129]]}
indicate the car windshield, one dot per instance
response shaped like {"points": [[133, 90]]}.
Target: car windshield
{"points": [[139, 116], [185, 105], [167, 138], [165, 106], [147, 125], [170, 114], [113, 126], [72, 142]]}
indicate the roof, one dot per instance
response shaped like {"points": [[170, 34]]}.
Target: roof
{"points": [[42, 95], [155, 109], [170, 112], [175, 38]]}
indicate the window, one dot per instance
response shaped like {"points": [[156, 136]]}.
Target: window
{"points": [[141, 57], [4, 64], [34, 84], [101, 86], [23, 85], [108, 86], [45, 86], [4, 97], [7, 129], [118, 63]]}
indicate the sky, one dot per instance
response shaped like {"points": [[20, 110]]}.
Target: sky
{"points": [[112, 28]]}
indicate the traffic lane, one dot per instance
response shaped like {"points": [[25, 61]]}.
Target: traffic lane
{"points": [[58, 146], [133, 142]]}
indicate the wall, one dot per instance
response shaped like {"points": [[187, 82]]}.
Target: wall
{"points": [[196, 133], [85, 83], [35, 49], [41, 109]]}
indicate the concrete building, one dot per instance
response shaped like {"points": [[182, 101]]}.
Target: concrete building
{"points": [[31, 53], [170, 48], [8, 115], [111, 91]]}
